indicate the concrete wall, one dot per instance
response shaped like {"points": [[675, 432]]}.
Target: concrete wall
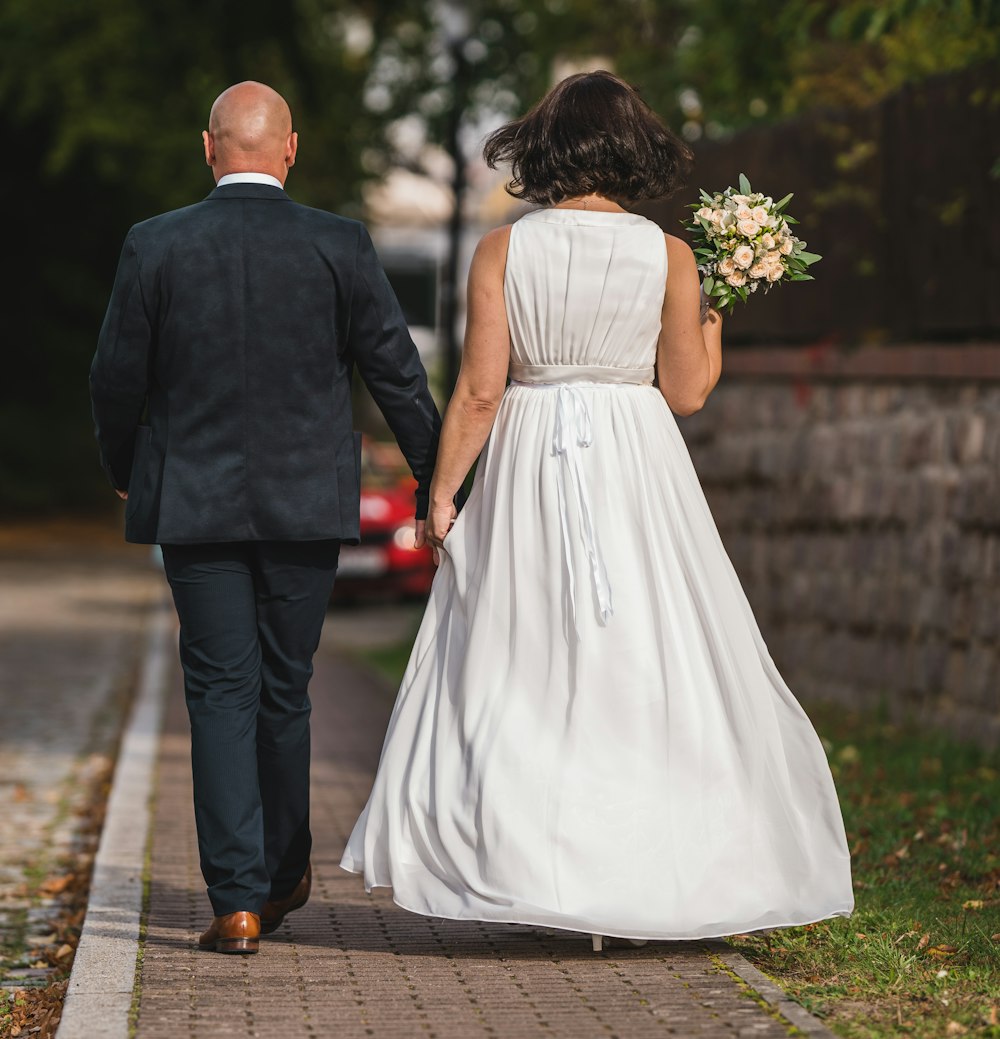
{"points": [[859, 498]]}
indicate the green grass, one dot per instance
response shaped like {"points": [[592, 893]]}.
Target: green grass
{"points": [[389, 661], [921, 954]]}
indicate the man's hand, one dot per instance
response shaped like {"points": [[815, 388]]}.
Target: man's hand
{"points": [[122, 494]]}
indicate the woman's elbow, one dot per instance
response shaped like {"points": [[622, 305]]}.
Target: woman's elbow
{"points": [[479, 405], [683, 408], [685, 404]]}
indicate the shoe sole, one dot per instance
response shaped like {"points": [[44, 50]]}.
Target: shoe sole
{"points": [[238, 946]]}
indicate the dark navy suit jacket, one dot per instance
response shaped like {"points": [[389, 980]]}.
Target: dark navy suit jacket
{"points": [[235, 324]]}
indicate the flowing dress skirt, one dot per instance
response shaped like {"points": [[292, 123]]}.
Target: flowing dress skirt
{"points": [[649, 775]]}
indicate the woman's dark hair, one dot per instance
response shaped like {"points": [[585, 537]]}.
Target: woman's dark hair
{"points": [[591, 133]]}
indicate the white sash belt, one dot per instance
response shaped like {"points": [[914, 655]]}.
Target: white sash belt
{"points": [[573, 429], [556, 374]]}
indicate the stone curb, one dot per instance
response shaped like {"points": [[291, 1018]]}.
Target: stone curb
{"points": [[100, 988], [772, 994]]}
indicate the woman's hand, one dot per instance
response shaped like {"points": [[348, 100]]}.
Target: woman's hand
{"points": [[440, 520]]}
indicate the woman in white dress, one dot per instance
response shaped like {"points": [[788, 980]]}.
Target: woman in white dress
{"points": [[590, 733]]}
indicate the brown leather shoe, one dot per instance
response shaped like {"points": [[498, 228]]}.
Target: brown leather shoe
{"points": [[274, 912], [235, 932]]}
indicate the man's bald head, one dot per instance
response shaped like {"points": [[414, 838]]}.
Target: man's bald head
{"points": [[250, 131]]}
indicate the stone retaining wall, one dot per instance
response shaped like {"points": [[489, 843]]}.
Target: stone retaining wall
{"points": [[862, 514]]}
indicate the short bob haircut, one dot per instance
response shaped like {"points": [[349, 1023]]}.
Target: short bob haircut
{"points": [[591, 134]]}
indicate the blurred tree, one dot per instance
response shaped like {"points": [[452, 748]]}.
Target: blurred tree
{"points": [[101, 108]]}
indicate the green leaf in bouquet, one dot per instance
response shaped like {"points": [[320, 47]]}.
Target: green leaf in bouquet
{"points": [[743, 292], [708, 284], [745, 188], [808, 258], [779, 206], [788, 219], [800, 276], [705, 197]]}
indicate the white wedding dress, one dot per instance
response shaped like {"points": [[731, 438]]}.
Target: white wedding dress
{"points": [[590, 733]]}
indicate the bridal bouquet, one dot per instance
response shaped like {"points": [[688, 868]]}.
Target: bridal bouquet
{"points": [[743, 241]]}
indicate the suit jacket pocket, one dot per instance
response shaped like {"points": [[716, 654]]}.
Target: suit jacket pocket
{"points": [[142, 511]]}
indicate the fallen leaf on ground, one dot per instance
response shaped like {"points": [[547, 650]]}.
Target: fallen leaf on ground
{"points": [[56, 885], [63, 950], [955, 1028], [924, 941], [973, 903], [942, 950]]}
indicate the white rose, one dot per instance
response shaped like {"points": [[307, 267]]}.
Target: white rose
{"points": [[743, 256], [736, 279], [760, 214], [726, 266], [758, 270], [748, 228], [775, 272], [740, 199], [744, 212], [767, 241], [772, 259], [786, 247], [705, 213]]}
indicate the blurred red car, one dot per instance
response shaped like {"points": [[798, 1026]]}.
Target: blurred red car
{"points": [[385, 563]]}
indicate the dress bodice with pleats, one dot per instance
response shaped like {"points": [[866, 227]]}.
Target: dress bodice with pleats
{"points": [[584, 288]]}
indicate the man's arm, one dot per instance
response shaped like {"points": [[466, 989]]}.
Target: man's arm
{"points": [[380, 345], [119, 374]]}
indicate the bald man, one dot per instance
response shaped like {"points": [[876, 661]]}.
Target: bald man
{"points": [[221, 391]]}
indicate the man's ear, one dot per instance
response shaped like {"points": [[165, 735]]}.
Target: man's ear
{"points": [[206, 138], [291, 148]]}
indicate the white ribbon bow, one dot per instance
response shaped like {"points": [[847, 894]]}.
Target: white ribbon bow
{"points": [[574, 430]]}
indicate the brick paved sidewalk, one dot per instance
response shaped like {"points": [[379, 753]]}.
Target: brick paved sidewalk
{"points": [[353, 965]]}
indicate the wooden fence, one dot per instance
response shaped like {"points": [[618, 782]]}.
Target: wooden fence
{"points": [[902, 200]]}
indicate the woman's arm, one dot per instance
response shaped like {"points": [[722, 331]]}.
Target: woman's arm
{"points": [[689, 352], [481, 381]]}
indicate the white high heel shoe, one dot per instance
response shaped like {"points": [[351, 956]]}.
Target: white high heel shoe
{"points": [[598, 940]]}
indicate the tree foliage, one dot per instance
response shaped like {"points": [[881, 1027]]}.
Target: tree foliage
{"points": [[101, 108], [102, 102]]}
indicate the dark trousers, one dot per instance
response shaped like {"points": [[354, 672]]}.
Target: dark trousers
{"points": [[251, 614]]}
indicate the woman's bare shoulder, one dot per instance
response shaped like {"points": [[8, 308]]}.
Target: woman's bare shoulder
{"points": [[491, 253], [678, 251], [495, 242]]}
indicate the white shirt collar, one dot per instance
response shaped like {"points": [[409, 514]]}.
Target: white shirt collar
{"points": [[249, 178]]}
